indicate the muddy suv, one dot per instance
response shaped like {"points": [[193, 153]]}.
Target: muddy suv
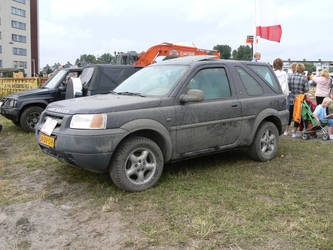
{"points": [[168, 111]]}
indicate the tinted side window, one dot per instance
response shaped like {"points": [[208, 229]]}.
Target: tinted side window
{"points": [[251, 85], [213, 82], [266, 74]]}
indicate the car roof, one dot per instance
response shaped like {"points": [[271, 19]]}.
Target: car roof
{"points": [[114, 66], [204, 60]]}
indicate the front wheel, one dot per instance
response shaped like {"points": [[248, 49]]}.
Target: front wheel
{"points": [[265, 144], [30, 117], [137, 164]]}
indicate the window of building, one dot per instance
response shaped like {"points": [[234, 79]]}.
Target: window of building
{"points": [[17, 11], [252, 87], [19, 51], [19, 38], [213, 82], [0, 49], [0, 63], [0, 35], [20, 1], [18, 25], [265, 73], [20, 64]]}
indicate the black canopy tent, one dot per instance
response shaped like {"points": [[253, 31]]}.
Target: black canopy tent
{"points": [[108, 77]]}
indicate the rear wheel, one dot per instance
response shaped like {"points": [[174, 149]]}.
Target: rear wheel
{"points": [[265, 144], [30, 117], [137, 164]]}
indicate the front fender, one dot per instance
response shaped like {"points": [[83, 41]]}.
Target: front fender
{"points": [[31, 103], [147, 124]]}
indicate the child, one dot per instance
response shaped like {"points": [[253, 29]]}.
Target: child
{"points": [[320, 115]]}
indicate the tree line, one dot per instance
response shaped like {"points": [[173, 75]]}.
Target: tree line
{"points": [[243, 53]]}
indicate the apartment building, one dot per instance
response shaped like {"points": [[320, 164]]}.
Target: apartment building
{"points": [[19, 36], [320, 65]]}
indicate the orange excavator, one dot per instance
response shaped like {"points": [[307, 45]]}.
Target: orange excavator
{"points": [[163, 49]]}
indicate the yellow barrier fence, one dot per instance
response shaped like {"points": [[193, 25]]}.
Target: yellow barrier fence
{"points": [[12, 85]]}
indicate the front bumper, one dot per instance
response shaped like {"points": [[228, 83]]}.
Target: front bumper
{"points": [[10, 113], [88, 149]]}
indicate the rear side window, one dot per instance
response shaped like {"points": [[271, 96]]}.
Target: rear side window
{"points": [[266, 74], [213, 82], [252, 87], [86, 75]]}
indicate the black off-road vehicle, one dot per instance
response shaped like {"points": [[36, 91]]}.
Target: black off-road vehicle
{"points": [[168, 111], [24, 108]]}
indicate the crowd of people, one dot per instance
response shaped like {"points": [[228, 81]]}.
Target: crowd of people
{"points": [[296, 83]]}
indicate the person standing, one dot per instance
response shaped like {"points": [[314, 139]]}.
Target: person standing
{"points": [[323, 86], [281, 76], [256, 57], [293, 68], [298, 84]]}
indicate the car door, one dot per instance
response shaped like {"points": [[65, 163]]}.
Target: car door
{"points": [[213, 122]]}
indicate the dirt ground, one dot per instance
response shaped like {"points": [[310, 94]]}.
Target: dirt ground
{"points": [[43, 223], [40, 219]]}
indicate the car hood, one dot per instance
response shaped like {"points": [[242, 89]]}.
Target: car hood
{"points": [[29, 93], [103, 104]]}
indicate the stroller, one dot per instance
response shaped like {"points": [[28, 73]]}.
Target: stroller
{"points": [[309, 123]]}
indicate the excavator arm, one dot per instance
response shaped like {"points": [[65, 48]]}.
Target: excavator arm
{"points": [[169, 49]]}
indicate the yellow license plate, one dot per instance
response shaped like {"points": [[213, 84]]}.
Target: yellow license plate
{"points": [[46, 140]]}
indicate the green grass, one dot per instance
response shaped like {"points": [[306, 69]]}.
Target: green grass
{"points": [[220, 201]]}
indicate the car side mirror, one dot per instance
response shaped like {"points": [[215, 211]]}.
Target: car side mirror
{"points": [[192, 95]]}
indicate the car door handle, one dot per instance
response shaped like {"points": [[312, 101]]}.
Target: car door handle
{"points": [[234, 105]]}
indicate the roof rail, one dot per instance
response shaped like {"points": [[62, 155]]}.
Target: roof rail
{"points": [[189, 59]]}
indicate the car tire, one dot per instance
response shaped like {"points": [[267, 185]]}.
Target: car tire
{"points": [[137, 164], [265, 144], [30, 117]]}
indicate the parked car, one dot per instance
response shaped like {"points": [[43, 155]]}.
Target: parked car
{"points": [[168, 111], [24, 108]]}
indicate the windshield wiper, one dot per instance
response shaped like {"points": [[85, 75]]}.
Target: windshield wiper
{"points": [[130, 93], [113, 92]]}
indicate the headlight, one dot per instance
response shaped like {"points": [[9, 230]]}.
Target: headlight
{"points": [[96, 121], [11, 103]]}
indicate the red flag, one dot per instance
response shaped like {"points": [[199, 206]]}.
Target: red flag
{"points": [[267, 26]]}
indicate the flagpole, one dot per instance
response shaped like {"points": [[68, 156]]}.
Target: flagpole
{"points": [[255, 27]]}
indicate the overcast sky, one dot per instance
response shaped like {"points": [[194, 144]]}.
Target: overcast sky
{"points": [[69, 28]]}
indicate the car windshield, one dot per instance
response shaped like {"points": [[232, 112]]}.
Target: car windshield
{"points": [[152, 81], [54, 80]]}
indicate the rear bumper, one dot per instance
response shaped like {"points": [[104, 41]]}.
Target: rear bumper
{"points": [[284, 118]]}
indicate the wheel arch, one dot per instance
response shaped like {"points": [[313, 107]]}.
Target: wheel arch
{"points": [[268, 115], [31, 104], [153, 130]]}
